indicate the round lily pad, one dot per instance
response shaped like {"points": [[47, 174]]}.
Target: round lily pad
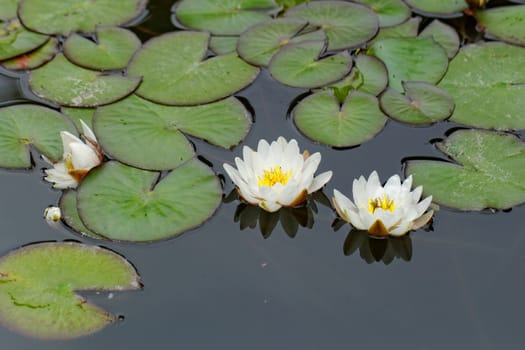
{"points": [[347, 25], [38, 284], [389, 12], [322, 118], [411, 59], [16, 40], [112, 49], [67, 16], [128, 204], [68, 206], [422, 103], [225, 17], [25, 125], [174, 72], [222, 45], [482, 79], [8, 9], [299, 65], [444, 35], [488, 171], [441, 8], [407, 29], [78, 114], [156, 128], [62, 82], [506, 23], [35, 58]]}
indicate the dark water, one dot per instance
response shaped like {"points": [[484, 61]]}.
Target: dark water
{"points": [[219, 287]]}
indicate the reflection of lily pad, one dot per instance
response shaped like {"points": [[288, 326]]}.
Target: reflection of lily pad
{"points": [[68, 206], [128, 204], [35, 58], [441, 8], [156, 128], [506, 23], [489, 171], [444, 35], [16, 40], [372, 249], [24, 125], [62, 82], [482, 79], [38, 284], [174, 73], [389, 12], [321, 118]]}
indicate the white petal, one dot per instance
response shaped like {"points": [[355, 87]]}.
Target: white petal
{"points": [[319, 181], [233, 174], [401, 229], [83, 156], [359, 193], [393, 184], [416, 194], [87, 131], [423, 205], [270, 206], [67, 140], [52, 214]]}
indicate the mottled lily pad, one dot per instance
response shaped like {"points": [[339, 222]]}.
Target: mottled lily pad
{"points": [[389, 12], [444, 35], [440, 8], [38, 284], [422, 103], [67, 16], [346, 24], [62, 82], [68, 206], [487, 82], [8, 9], [16, 40], [174, 72], [322, 118], [128, 204], [488, 171], [35, 58], [222, 45], [23, 126], [156, 128], [506, 23], [113, 49]]}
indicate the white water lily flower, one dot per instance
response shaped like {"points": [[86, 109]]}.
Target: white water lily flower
{"points": [[78, 158], [52, 214], [389, 210], [276, 175]]}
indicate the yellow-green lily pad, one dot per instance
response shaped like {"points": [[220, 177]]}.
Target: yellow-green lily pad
{"points": [[389, 12], [439, 8], [15, 39], [35, 58], [505, 23]]}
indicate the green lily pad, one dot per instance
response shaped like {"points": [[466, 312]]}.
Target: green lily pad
{"points": [[482, 79], [35, 58], [67, 16], [444, 35], [346, 24], [407, 29], [128, 204], [16, 40], [225, 17], [222, 45], [25, 125], [68, 206], [441, 8], [183, 78], [62, 82], [488, 171], [286, 4], [112, 50], [8, 9], [505, 23], [261, 42], [156, 128], [422, 103], [38, 284], [322, 118], [77, 114], [299, 65], [411, 59], [389, 12]]}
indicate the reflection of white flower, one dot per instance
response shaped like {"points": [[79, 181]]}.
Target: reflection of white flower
{"points": [[77, 160], [52, 214], [389, 210], [276, 175]]}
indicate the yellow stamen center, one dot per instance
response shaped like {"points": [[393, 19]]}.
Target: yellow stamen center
{"points": [[274, 176], [384, 203]]}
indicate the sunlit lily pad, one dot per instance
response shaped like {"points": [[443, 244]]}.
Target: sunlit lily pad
{"points": [[487, 82], [16, 40], [299, 65], [390, 12], [23, 126], [174, 73], [322, 118], [488, 171], [444, 35], [411, 59], [222, 45], [157, 130], [38, 284], [68, 206], [113, 49], [422, 103], [67, 16], [62, 82], [346, 24], [439, 8], [8, 9], [506, 23], [128, 204], [224, 17], [35, 58]]}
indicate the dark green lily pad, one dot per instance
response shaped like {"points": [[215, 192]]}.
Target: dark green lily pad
{"points": [[222, 45], [389, 12], [156, 128], [8, 9], [440, 8], [112, 50], [346, 24], [77, 114], [444, 35], [322, 118], [184, 78], [67, 16], [505, 23], [22, 126], [488, 171], [411, 59], [225, 17], [299, 65], [35, 58], [487, 82], [407, 29], [68, 206], [38, 284], [422, 103], [128, 204], [16, 40], [62, 82]]}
